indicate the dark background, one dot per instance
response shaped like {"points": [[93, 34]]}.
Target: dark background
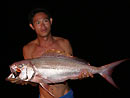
{"points": [[98, 31]]}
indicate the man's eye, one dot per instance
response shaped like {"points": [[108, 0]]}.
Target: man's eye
{"points": [[20, 66], [38, 22], [46, 20]]}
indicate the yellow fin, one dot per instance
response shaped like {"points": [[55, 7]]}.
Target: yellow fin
{"points": [[57, 52]]}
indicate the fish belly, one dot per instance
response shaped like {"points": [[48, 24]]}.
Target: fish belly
{"points": [[59, 75]]}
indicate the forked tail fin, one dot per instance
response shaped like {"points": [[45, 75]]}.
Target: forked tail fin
{"points": [[107, 71]]}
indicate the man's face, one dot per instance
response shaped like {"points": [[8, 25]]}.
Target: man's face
{"points": [[42, 24]]}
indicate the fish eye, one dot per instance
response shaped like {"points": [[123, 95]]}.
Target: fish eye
{"points": [[20, 66]]}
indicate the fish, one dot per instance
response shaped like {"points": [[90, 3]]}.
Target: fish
{"points": [[57, 68]]}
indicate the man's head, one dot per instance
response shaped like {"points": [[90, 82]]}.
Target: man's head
{"points": [[35, 11], [40, 20]]}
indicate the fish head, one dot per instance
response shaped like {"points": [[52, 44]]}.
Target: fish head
{"points": [[22, 70]]}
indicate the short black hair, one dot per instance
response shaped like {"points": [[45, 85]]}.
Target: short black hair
{"points": [[35, 11]]}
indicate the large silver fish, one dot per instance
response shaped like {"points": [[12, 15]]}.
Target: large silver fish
{"points": [[55, 68]]}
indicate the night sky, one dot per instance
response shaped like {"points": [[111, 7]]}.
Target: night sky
{"points": [[98, 31]]}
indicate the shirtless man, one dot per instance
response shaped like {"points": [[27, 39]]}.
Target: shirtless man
{"points": [[41, 21]]}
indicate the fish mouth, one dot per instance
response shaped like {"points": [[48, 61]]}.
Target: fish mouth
{"points": [[13, 77], [14, 73]]}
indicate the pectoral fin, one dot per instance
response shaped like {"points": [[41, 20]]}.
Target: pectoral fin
{"points": [[45, 86]]}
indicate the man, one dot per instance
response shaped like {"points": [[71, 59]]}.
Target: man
{"points": [[41, 21]]}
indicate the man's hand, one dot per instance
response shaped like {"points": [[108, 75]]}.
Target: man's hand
{"points": [[84, 74]]}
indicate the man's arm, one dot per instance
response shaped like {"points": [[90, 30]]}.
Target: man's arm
{"points": [[68, 49], [26, 52], [65, 44]]}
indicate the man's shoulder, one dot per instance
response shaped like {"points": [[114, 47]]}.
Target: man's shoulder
{"points": [[29, 45], [61, 39], [28, 48], [64, 43]]}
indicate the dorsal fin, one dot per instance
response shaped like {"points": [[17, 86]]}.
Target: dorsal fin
{"points": [[56, 53], [60, 54]]}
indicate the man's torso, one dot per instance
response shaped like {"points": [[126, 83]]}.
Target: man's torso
{"points": [[34, 51]]}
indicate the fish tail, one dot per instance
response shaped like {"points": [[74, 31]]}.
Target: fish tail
{"points": [[108, 69]]}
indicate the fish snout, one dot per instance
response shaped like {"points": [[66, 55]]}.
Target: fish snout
{"points": [[15, 72]]}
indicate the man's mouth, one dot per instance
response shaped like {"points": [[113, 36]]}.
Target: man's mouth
{"points": [[43, 30]]}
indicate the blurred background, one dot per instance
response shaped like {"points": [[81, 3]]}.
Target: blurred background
{"points": [[98, 32]]}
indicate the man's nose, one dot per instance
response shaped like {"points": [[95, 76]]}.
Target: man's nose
{"points": [[42, 24]]}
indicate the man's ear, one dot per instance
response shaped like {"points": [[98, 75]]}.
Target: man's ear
{"points": [[31, 26], [51, 20]]}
